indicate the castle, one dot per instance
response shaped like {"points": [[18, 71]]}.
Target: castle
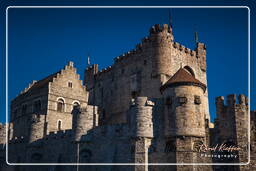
{"points": [[150, 106]]}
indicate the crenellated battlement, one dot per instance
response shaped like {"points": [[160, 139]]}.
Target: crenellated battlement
{"points": [[3, 126], [3, 133], [232, 101], [231, 106], [18, 140], [140, 117], [157, 28], [104, 70], [147, 41], [184, 49], [59, 134]]}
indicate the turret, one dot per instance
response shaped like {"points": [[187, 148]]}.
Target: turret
{"points": [[141, 117], [37, 127], [89, 74], [201, 54], [232, 124], [84, 119], [184, 112], [161, 40], [141, 129]]}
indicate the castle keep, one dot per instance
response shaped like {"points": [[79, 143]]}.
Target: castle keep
{"points": [[150, 106]]}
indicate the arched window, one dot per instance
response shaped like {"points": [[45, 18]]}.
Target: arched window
{"points": [[190, 70], [60, 105], [37, 106], [76, 106], [59, 125]]}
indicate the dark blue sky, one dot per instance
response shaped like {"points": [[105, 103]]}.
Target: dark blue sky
{"points": [[42, 41]]}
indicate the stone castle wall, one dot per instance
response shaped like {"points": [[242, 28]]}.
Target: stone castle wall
{"points": [[122, 117], [60, 90], [142, 71]]}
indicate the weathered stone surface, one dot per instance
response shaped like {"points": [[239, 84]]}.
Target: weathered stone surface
{"points": [[120, 115]]}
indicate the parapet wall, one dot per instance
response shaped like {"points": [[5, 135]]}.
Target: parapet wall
{"points": [[141, 117], [3, 133], [165, 33], [231, 101], [107, 131]]}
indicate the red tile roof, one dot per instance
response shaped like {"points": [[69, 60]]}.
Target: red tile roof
{"points": [[182, 77]]}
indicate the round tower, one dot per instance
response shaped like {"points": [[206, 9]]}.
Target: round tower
{"points": [[84, 119], [184, 111], [141, 118], [161, 42], [141, 127], [36, 128]]}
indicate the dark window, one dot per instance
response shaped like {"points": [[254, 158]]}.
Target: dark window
{"points": [[60, 105], [170, 146], [168, 101], [24, 109], [76, 106], [70, 84], [37, 106], [182, 100], [59, 125], [145, 62], [122, 71], [134, 94], [197, 100]]}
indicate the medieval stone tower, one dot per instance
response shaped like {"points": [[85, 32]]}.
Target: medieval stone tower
{"points": [[149, 107], [142, 71]]}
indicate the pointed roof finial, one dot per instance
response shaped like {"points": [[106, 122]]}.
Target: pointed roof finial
{"points": [[88, 60], [196, 37], [170, 18]]}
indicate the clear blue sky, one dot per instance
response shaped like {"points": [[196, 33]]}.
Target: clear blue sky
{"points": [[42, 41]]}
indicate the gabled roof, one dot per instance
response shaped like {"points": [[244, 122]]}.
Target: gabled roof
{"points": [[41, 83], [182, 77], [44, 81]]}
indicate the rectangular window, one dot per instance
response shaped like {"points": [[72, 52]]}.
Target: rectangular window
{"points": [[168, 101], [197, 100], [70, 84], [59, 125], [182, 100]]}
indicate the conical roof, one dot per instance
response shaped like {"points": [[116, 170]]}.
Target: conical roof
{"points": [[182, 77]]}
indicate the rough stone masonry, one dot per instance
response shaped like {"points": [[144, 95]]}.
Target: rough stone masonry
{"points": [[150, 106]]}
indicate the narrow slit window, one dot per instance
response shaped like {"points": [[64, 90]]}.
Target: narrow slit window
{"points": [[70, 85], [59, 125]]}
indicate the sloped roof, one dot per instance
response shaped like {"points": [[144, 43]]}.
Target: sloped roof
{"points": [[43, 82], [182, 77]]}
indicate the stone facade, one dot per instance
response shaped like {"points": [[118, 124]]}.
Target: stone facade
{"points": [[150, 106]]}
